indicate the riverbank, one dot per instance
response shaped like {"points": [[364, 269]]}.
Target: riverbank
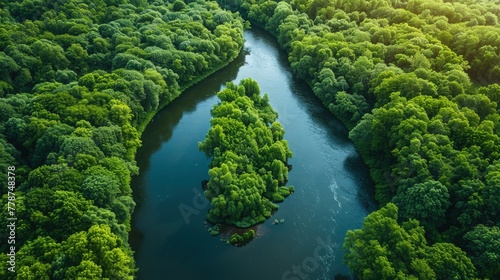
{"points": [[331, 191], [140, 128], [408, 95]]}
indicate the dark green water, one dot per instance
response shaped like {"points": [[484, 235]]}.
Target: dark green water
{"points": [[331, 182]]}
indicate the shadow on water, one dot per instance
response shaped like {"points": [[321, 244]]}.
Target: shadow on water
{"points": [[305, 96], [161, 127], [365, 193], [163, 124], [319, 114]]}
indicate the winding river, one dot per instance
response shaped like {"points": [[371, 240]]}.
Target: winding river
{"points": [[332, 185]]}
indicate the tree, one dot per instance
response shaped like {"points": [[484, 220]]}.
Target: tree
{"points": [[178, 5], [9, 67], [72, 146], [51, 141], [101, 247], [50, 54], [101, 189], [67, 209], [318, 5], [350, 108], [408, 85], [87, 269], [101, 216], [484, 245], [281, 12], [37, 258], [78, 56], [384, 249], [249, 157], [56, 177], [426, 202], [449, 262]]}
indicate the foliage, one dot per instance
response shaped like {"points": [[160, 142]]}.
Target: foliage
{"points": [[79, 80], [92, 254], [249, 157], [237, 239], [484, 245], [426, 202], [416, 83], [384, 249]]}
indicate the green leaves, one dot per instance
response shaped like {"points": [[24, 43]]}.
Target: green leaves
{"points": [[484, 245], [79, 80], [50, 54], [101, 189], [249, 157], [384, 249], [405, 80], [449, 262], [426, 202]]}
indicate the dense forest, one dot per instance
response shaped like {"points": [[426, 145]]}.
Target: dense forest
{"points": [[417, 84], [79, 80], [249, 157]]}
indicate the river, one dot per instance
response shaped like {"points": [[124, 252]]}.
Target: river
{"points": [[332, 185]]}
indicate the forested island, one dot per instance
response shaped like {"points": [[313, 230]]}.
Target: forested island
{"points": [[416, 82], [249, 157]]}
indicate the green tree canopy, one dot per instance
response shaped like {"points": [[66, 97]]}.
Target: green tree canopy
{"points": [[249, 157], [385, 249]]}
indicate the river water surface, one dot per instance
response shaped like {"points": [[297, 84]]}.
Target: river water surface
{"points": [[332, 185]]}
